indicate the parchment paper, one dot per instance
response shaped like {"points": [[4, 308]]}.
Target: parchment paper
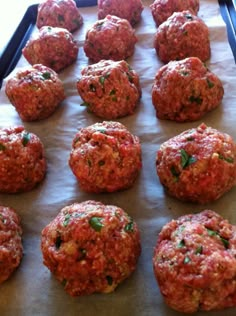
{"points": [[32, 290]]}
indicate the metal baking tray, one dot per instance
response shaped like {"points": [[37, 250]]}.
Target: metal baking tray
{"points": [[228, 12], [12, 51]]}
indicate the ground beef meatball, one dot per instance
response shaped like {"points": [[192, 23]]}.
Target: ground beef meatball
{"points": [[35, 92], [53, 47], [182, 35], [185, 90], [110, 38], [162, 9], [11, 249], [22, 160], [105, 157], [198, 165], [91, 247], [130, 10], [59, 13], [195, 262], [109, 89]]}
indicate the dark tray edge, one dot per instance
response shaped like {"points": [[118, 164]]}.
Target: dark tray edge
{"points": [[228, 12], [12, 52]]}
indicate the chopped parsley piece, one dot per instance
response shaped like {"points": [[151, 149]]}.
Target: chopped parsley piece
{"points": [[66, 220], [214, 233], [101, 163], [2, 147], [46, 75], [58, 242], [187, 260], [109, 280], [60, 18], [130, 226], [103, 78], [112, 92], [174, 173], [96, 223], [92, 87], [228, 159], [197, 100], [181, 244], [25, 138], [186, 159], [210, 84], [188, 16], [199, 250], [85, 104], [99, 25], [184, 73]]}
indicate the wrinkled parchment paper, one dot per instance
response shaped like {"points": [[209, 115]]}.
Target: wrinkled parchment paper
{"points": [[32, 290]]}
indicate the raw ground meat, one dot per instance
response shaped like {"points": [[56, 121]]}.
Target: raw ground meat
{"points": [[109, 89], [194, 262], [91, 247], [198, 165]]}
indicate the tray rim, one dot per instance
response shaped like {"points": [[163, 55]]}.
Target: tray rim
{"points": [[12, 51]]}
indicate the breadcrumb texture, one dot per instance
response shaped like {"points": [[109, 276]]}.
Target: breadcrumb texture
{"points": [[195, 262], [11, 249], [91, 247]]}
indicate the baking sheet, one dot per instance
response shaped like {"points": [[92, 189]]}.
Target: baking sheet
{"points": [[32, 290]]}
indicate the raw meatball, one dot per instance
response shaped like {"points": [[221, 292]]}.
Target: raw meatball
{"points": [[198, 165], [109, 89], [59, 13], [163, 9], [182, 35], [195, 264], [53, 47], [105, 157], [91, 247], [35, 92], [110, 38], [130, 10], [185, 90], [11, 249], [22, 160]]}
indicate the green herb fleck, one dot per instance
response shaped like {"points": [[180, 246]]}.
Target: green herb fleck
{"points": [[228, 159], [46, 75], [96, 223], [194, 99], [186, 159], [101, 163], [25, 138], [89, 163], [66, 220], [60, 18], [2, 147], [63, 283], [112, 92], [174, 173], [92, 87], [188, 16], [58, 242], [85, 104], [187, 260], [181, 244], [103, 78], [210, 83], [130, 226], [199, 250], [184, 73], [109, 280], [214, 233]]}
